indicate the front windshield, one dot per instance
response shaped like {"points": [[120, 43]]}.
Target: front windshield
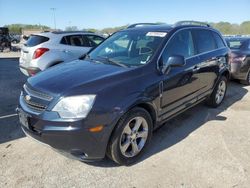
{"points": [[128, 48], [236, 43]]}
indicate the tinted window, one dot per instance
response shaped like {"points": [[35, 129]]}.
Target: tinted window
{"points": [[204, 41], [94, 40], [219, 41], [75, 40], [180, 44], [35, 40]]}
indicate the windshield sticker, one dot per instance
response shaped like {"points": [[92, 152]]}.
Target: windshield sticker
{"points": [[156, 34]]}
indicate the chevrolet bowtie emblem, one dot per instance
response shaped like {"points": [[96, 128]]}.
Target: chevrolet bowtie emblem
{"points": [[27, 97]]}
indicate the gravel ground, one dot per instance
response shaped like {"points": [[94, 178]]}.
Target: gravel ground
{"points": [[202, 147]]}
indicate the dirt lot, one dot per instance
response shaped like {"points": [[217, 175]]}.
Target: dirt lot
{"points": [[203, 147]]}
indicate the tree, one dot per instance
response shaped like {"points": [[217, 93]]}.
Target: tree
{"points": [[71, 28], [245, 27], [17, 28]]}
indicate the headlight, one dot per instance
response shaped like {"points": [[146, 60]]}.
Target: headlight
{"points": [[75, 106]]}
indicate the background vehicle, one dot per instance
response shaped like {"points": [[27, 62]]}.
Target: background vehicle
{"points": [[15, 38], [51, 48], [240, 58], [5, 40], [133, 82]]}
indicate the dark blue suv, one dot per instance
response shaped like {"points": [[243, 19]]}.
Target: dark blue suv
{"points": [[109, 101]]}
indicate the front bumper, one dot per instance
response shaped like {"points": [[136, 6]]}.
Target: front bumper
{"points": [[239, 70], [72, 139]]}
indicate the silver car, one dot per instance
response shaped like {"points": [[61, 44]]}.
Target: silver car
{"points": [[47, 49]]}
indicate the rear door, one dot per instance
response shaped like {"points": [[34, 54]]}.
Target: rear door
{"points": [[210, 55], [75, 45], [29, 48]]}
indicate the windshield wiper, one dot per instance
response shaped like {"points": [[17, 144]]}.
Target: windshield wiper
{"points": [[113, 62]]}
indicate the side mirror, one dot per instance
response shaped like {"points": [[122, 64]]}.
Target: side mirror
{"points": [[173, 61]]}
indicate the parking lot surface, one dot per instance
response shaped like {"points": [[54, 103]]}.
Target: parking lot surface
{"points": [[203, 147]]}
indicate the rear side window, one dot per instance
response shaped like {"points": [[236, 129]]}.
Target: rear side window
{"points": [[35, 40], [219, 41], [75, 40], [204, 40], [180, 44]]}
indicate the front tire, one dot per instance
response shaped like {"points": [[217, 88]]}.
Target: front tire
{"points": [[130, 137], [218, 95]]}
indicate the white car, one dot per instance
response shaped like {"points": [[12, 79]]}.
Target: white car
{"points": [[47, 49]]}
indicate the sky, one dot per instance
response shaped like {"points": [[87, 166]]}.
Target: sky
{"points": [[110, 13]]}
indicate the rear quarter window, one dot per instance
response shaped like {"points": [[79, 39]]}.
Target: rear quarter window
{"points": [[36, 40], [204, 40], [219, 41]]}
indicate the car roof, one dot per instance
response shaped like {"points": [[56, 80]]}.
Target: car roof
{"points": [[62, 33], [163, 27]]}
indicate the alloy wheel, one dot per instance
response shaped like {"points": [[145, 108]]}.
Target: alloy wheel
{"points": [[221, 90], [134, 137]]}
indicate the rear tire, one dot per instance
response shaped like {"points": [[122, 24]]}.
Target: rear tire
{"points": [[218, 94], [130, 137]]}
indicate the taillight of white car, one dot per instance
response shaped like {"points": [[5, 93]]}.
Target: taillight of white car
{"points": [[39, 52]]}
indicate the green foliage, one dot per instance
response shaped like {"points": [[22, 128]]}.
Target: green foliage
{"points": [[71, 28], [228, 28], [223, 27], [91, 30], [17, 28], [111, 30]]}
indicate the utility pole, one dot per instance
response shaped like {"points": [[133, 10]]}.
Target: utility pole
{"points": [[54, 15]]}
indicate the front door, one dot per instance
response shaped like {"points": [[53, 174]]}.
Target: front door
{"points": [[181, 85]]}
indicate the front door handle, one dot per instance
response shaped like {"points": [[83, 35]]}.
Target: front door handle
{"points": [[196, 68]]}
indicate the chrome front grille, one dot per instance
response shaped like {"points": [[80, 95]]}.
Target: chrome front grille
{"points": [[37, 94], [34, 100]]}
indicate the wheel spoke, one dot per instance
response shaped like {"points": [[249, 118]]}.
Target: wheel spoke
{"points": [[125, 146], [135, 148], [138, 122], [142, 134], [127, 130]]}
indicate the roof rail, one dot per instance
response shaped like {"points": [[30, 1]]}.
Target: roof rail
{"points": [[141, 24], [65, 32], [191, 22]]}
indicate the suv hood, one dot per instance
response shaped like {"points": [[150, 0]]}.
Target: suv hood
{"points": [[61, 78]]}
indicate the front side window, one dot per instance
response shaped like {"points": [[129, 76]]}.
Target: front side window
{"points": [[180, 44], [130, 48], [204, 40], [94, 40]]}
